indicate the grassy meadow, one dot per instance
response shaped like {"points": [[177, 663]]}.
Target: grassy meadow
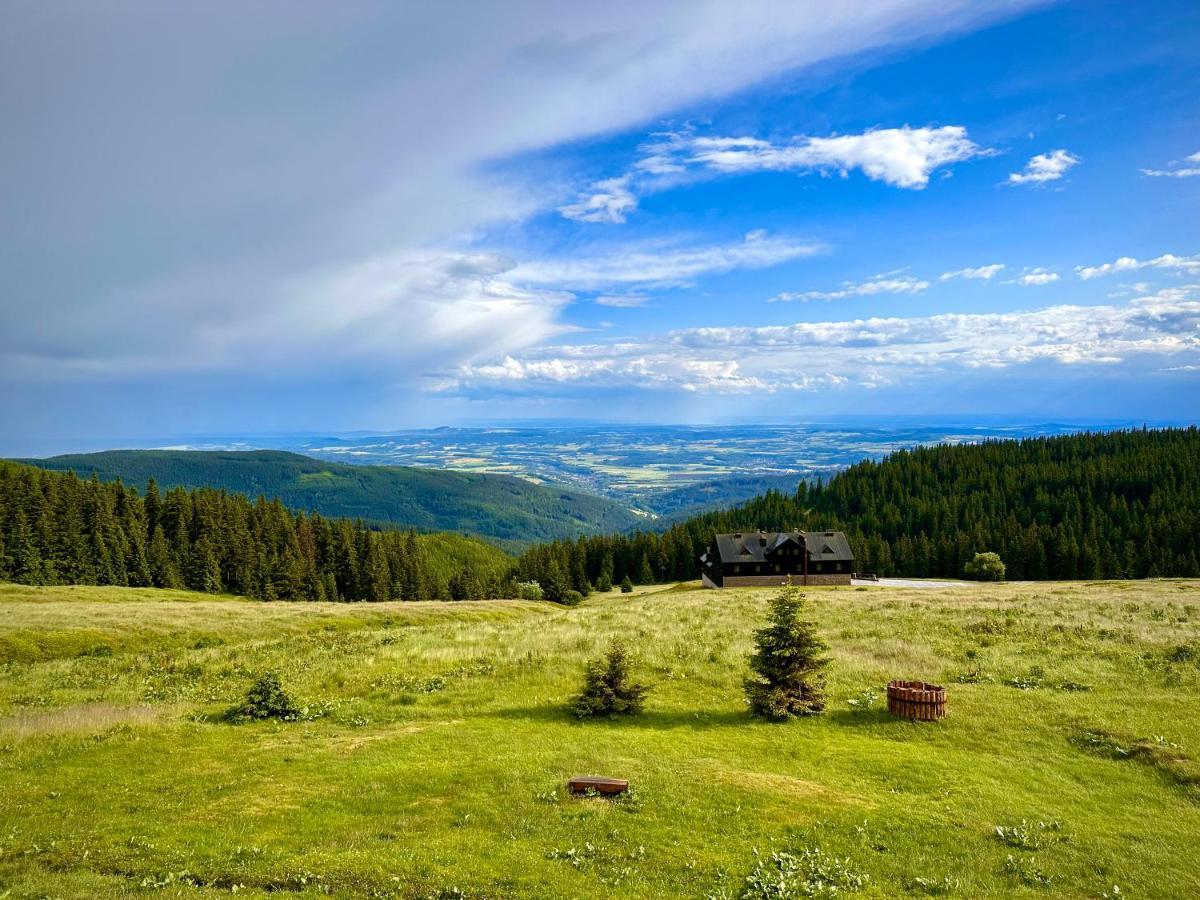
{"points": [[433, 755]]}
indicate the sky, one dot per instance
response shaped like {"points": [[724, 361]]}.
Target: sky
{"points": [[288, 216]]}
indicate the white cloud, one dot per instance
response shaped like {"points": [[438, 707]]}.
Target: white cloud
{"points": [[902, 157], [1187, 264], [622, 301], [982, 273], [663, 262], [818, 356], [1177, 169], [880, 284], [230, 236], [1045, 167], [610, 201], [1036, 277]]}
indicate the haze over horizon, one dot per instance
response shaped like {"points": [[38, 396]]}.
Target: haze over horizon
{"points": [[298, 217]]}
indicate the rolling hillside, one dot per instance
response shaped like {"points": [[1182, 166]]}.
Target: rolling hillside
{"points": [[511, 512]]}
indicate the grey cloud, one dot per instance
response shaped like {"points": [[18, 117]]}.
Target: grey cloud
{"points": [[178, 177]]}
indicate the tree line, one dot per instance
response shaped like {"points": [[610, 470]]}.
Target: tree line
{"points": [[1122, 504], [58, 529]]}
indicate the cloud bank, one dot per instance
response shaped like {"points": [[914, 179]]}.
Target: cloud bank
{"points": [[1158, 332]]}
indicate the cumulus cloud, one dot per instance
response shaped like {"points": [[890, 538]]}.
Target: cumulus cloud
{"points": [[1160, 329], [609, 201], [1186, 264], [1045, 167], [1188, 167], [663, 262], [1036, 277], [901, 157], [980, 273], [880, 284]]}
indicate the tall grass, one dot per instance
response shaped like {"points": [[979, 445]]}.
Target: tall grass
{"points": [[436, 741]]}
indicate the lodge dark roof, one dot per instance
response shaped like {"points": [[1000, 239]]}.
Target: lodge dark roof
{"points": [[756, 546]]}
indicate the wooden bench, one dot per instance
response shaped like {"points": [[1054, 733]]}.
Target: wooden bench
{"points": [[608, 787]]}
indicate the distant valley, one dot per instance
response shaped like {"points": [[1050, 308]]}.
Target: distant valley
{"points": [[667, 470]]}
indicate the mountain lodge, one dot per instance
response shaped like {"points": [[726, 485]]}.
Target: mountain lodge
{"points": [[767, 558]]}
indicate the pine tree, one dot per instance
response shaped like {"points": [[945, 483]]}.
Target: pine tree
{"points": [[608, 688], [645, 573], [163, 573], [788, 669], [554, 584], [204, 572], [25, 561]]}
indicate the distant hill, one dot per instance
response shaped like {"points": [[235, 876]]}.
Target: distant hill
{"points": [[510, 512]]}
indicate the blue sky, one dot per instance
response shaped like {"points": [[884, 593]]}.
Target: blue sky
{"points": [[293, 217]]}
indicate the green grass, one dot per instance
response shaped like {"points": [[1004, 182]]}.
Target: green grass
{"points": [[437, 746]]}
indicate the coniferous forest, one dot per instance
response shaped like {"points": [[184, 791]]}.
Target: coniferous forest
{"points": [[1121, 504], [58, 529]]}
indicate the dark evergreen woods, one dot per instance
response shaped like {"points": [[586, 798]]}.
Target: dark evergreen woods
{"points": [[1114, 505], [58, 529], [1122, 504]]}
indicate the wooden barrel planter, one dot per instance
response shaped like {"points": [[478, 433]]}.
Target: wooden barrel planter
{"points": [[916, 700]]}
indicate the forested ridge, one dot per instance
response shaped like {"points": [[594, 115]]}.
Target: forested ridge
{"points": [[508, 511], [56, 528], [1120, 504], [1123, 504]]}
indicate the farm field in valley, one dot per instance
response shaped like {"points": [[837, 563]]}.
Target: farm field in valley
{"points": [[434, 753]]}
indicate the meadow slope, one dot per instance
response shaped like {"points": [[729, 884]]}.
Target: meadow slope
{"points": [[437, 745]]}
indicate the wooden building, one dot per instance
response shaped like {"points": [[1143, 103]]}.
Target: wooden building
{"points": [[767, 558]]}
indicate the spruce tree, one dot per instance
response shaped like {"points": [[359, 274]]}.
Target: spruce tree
{"points": [[645, 573], [25, 561], [163, 573], [204, 572], [787, 665], [609, 689]]}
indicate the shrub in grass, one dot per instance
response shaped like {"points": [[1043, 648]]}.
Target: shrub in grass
{"points": [[266, 699], [609, 688], [626, 585], [985, 567], [571, 598], [787, 665], [530, 590], [810, 872]]}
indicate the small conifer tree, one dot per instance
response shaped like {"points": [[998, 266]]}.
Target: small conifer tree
{"points": [[626, 585], [609, 689], [787, 665], [266, 699]]}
